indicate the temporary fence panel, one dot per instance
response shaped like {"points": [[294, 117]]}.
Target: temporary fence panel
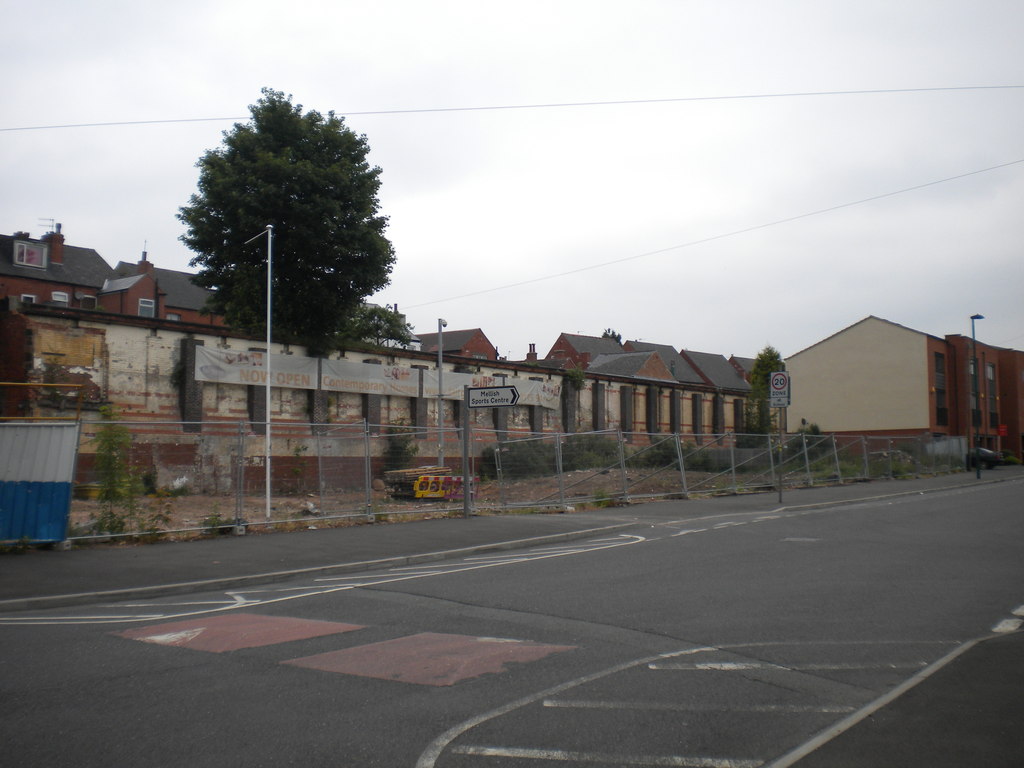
{"points": [[37, 469], [331, 471]]}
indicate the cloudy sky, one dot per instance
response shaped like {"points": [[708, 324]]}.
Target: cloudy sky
{"points": [[717, 175]]}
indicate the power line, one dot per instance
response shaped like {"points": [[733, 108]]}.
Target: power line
{"points": [[554, 105], [722, 236]]}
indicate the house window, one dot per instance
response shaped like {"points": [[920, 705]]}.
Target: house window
{"points": [[173, 316], [87, 302], [28, 298], [941, 406], [940, 370], [60, 298], [147, 308], [30, 255]]}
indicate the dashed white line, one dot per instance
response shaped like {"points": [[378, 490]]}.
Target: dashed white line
{"points": [[740, 666], [567, 756], [645, 706]]}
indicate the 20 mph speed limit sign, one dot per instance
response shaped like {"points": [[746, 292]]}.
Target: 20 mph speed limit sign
{"points": [[778, 389]]}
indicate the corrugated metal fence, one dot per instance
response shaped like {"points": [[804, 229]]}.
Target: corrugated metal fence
{"points": [[37, 469]]}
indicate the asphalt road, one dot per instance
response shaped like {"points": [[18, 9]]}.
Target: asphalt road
{"points": [[731, 639]]}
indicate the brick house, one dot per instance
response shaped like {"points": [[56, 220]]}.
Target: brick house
{"points": [[49, 272], [879, 377], [467, 343], [572, 350], [46, 271]]}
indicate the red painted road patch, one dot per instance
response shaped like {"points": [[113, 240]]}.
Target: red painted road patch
{"points": [[232, 631], [430, 658]]}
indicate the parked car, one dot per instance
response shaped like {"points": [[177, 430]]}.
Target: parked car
{"points": [[984, 457]]}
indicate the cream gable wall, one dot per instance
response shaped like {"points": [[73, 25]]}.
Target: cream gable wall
{"points": [[870, 376]]}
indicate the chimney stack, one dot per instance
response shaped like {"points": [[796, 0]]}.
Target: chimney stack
{"points": [[145, 266], [56, 241], [531, 356]]}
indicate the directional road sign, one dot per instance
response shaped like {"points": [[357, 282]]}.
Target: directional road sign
{"points": [[492, 397], [778, 389]]}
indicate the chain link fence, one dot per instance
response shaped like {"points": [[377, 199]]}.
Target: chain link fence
{"points": [[160, 478]]}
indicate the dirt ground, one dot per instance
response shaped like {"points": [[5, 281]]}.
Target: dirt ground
{"points": [[188, 516]]}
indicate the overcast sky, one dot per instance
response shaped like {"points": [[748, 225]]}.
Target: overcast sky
{"points": [[648, 170]]}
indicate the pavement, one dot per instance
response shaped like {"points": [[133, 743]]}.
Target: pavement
{"points": [[967, 711]]}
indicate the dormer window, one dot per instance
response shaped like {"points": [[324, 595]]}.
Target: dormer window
{"points": [[147, 308], [30, 254]]}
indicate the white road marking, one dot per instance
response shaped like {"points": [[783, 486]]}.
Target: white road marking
{"points": [[740, 666], [1018, 611], [433, 752], [174, 638], [652, 706], [688, 531], [316, 589], [1008, 625], [566, 756]]}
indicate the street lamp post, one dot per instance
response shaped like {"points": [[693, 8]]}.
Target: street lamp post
{"points": [[971, 390], [269, 231], [441, 324]]}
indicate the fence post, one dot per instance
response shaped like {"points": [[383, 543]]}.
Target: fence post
{"points": [[622, 466], [558, 468], [500, 474], [319, 467], [888, 453], [835, 453], [367, 470], [732, 462], [776, 477], [866, 471], [682, 468], [807, 460], [239, 473]]}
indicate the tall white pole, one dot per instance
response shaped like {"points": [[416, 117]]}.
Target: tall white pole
{"points": [[441, 324], [973, 388], [267, 367], [270, 267]]}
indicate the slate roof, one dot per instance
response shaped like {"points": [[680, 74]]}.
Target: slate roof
{"points": [[718, 371], [681, 369], [592, 345], [746, 363], [82, 266], [180, 292], [622, 363]]}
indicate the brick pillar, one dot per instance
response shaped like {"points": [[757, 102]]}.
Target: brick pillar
{"points": [[675, 416], [599, 414], [420, 410], [371, 412], [256, 401], [653, 398], [319, 410], [570, 406], [626, 409], [190, 391]]}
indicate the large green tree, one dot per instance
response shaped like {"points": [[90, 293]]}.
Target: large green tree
{"points": [[307, 175], [757, 414]]}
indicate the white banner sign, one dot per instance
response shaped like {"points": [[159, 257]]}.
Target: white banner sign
{"points": [[237, 367], [346, 376]]}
